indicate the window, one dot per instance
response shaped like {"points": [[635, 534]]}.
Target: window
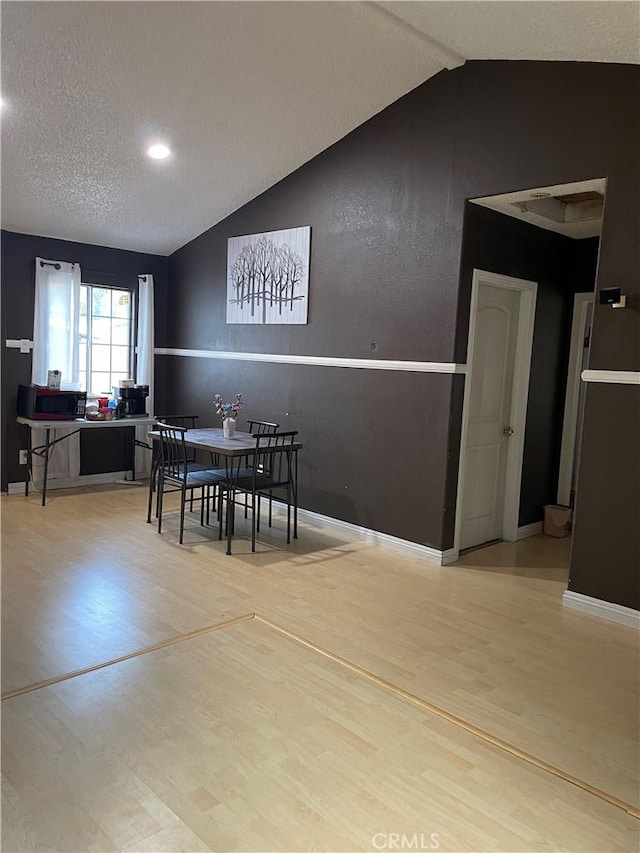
{"points": [[106, 337]]}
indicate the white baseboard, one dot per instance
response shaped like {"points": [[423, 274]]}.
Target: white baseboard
{"points": [[528, 530], [365, 534], [431, 555], [602, 609], [87, 480]]}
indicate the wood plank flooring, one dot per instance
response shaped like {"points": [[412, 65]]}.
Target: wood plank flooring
{"points": [[243, 709], [244, 740]]}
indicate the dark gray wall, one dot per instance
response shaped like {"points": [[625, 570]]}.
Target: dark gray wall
{"points": [[386, 205], [353, 466], [605, 554], [561, 266], [583, 264], [376, 291], [101, 450], [515, 145]]}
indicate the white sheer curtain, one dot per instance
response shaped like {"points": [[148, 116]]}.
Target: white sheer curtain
{"points": [[55, 321], [56, 347], [144, 373]]}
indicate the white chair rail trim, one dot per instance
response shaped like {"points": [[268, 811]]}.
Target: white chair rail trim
{"points": [[614, 377], [320, 360]]}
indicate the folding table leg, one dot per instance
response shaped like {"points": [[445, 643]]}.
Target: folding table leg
{"points": [[29, 464], [47, 448]]}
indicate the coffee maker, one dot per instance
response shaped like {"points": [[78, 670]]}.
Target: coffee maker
{"points": [[132, 401]]}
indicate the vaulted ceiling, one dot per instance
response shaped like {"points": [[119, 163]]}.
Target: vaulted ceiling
{"points": [[242, 92]]}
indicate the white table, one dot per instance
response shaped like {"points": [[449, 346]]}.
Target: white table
{"points": [[44, 450]]}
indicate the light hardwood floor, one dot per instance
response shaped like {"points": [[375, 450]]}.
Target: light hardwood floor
{"points": [[244, 738]]}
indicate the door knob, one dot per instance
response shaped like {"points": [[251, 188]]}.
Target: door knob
{"points": [[507, 431]]}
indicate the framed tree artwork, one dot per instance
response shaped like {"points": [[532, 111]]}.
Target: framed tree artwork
{"points": [[268, 277]]}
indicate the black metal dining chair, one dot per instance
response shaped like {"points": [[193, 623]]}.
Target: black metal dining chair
{"points": [[186, 422], [258, 428], [175, 474], [262, 427], [272, 469]]}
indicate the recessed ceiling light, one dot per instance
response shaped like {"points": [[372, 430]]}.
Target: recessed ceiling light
{"points": [[158, 152]]}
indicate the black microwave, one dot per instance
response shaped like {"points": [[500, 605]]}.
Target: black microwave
{"points": [[39, 403]]}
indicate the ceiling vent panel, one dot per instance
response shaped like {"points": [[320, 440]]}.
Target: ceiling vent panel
{"points": [[574, 210]]}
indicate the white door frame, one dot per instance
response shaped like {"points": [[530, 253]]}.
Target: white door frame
{"points": [[520, 394], [581, 304]]}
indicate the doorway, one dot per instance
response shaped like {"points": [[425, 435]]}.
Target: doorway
{"points": [[574, 399], [547, 237], [495, 408]]}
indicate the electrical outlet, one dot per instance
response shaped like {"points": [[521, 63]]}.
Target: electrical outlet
{"points": [[23, 457]]}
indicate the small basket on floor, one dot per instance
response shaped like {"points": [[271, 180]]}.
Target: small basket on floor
{"points": [[556, 520]]}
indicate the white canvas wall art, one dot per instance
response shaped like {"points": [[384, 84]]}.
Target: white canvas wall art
{"points": [[268, 277]]}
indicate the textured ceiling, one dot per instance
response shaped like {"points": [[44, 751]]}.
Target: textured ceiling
{"points": [[244, 93], [542, 29]]}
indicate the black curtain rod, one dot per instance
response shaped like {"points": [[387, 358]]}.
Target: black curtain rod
{"points": [[56, 265], [91, 272]]}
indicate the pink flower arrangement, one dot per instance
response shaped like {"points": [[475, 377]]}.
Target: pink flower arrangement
{"points": [[228, 410]]}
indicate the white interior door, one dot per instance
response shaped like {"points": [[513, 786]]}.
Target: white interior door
{"points": [[490, 398]]}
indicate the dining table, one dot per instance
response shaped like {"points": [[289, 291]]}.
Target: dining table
{"points": [[212, 440]]}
